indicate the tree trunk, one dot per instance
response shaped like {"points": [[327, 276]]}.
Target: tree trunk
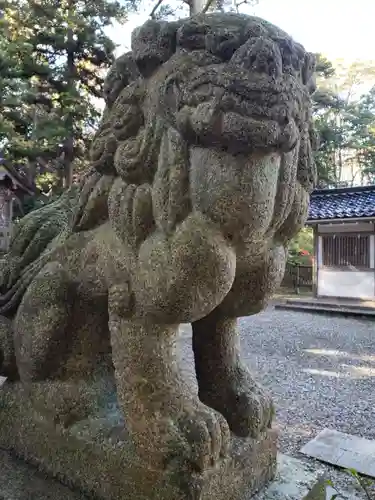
{"points": [[196, 6], [67, 174], [68, 162], [6, 215]]}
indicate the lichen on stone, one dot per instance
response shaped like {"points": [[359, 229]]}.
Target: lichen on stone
{"points": [[201, 172]]}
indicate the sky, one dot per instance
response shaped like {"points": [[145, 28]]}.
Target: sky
{"points": [[339, 29]]}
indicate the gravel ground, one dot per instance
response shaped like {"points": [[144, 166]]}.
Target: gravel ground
{"points": [[320, 370]]}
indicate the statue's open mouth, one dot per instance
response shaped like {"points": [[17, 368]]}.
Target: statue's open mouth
{"points": [[241, 112]]}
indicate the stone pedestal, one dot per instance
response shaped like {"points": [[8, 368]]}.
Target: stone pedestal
{"points": [[96, 457]]}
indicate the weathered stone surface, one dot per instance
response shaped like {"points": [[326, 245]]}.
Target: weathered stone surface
{"points": [[97, 456], [20, 481], [295, 480], [201, 173]]}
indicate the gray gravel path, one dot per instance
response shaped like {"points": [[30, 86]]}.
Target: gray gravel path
{"points": [[320, 370]]}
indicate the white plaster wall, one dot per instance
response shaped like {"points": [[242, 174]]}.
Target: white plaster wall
{"points": [[346, 284]]}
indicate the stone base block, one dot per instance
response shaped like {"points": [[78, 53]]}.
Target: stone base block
{"points": [[96, 457]]}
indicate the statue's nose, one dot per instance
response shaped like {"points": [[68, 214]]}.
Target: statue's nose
{"points": [[261, 55]]}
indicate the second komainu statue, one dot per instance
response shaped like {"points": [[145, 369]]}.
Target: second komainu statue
{"points": [[201, 174]]}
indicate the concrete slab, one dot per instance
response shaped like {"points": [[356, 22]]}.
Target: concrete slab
{"points": [[294, 480], [343, 450], [306, 480]]}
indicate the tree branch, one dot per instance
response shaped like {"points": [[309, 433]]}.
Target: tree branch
{"points": [[238, 5], [157, 5], [206, 7]]}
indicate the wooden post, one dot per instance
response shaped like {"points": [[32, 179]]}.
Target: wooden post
{"points": [[297, 279], [6, 216], [315, 269]]}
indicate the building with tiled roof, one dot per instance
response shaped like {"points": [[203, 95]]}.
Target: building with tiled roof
{"points": [[12, 186], [345, 203], [344, 239]]}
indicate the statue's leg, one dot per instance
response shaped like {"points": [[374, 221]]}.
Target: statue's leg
{"points": [[42, 339], [225, 383], [167, 422], [40, 324]]}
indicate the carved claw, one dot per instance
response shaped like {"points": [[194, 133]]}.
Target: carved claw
{"points": [[208, 436], [200, 437]]}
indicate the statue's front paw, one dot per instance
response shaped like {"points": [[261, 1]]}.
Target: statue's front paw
{"points": [[206, 436], [196, 435], [246, 405]]}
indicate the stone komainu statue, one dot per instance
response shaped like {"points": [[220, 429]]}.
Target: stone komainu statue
{"points": [[201, 174]]}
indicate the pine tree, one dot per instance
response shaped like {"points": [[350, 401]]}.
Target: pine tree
{"points": [[15, 92], [67, 57]]}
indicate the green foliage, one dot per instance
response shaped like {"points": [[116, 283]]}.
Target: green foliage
{"points": [[363, 134], [324, 67], [345, 120], [363, 483], [14, 93], [301, 248], [53, 58]]}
